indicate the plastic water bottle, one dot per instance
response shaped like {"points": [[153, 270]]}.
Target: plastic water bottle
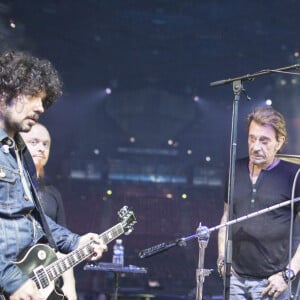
{"points": [[118, 255]]}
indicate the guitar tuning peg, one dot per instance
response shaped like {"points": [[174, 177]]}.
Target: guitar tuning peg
{"points": [[128, 231], [123, 211]]}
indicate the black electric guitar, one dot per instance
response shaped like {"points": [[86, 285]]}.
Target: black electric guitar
{"points": [[41, 264]]}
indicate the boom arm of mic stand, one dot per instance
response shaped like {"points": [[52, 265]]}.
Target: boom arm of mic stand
{"points": [[253, 76], [204, 233], [161, 248], [254, 214]]}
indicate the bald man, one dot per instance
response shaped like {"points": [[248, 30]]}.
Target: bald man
{"points": [[38, 142]]}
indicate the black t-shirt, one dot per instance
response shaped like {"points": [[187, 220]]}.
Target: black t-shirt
{"points": [[261, 244], [51, 201]]}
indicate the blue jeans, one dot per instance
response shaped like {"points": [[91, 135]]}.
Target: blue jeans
{"points": [[245, 289]]}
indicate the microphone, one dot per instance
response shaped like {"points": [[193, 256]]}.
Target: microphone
{"points": [[156, 249]]}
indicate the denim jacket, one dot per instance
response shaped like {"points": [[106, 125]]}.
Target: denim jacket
{"points": [[18, 226]]}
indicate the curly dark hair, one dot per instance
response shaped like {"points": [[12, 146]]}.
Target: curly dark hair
{"points": [[21, 73]]}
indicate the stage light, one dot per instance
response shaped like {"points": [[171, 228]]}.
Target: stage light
{"points": [[12, 24], [96, 151], [208, 158], [189, 152], [269, 102], [184, 196], [108, 91], [132, 139], [170, 142], [152, 283], [196, 98], [169, 196], [109, 192], [294, 81], [282, 82]]}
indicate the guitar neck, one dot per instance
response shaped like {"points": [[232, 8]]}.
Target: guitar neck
{"points": [[70, 260], [112, 233]]}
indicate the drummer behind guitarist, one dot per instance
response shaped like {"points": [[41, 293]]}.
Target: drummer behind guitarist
{"points": [[260, 246], [28, 86]]}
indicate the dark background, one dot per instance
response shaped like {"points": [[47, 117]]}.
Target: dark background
{"points": [[158, 58]]}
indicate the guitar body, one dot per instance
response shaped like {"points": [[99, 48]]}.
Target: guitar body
{"points": [[41, 264], [32, 259]]}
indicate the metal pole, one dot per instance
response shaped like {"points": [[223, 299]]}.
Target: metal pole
{"points": [[203, 236]]}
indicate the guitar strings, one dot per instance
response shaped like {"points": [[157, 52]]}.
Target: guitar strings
{"points": [[74, 258], [79, 254]]}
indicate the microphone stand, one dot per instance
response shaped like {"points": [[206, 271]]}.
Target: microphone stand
{"points": [[237, 84], [202, 234], [237, 89]]}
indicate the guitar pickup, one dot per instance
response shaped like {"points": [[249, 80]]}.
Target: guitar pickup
{"points": [[41, 276]]}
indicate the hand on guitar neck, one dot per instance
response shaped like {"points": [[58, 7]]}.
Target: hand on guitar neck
{"points": [[99, 246]]}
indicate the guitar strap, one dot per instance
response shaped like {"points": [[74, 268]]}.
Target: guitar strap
{"points": [[40, 209], [37, 202]]}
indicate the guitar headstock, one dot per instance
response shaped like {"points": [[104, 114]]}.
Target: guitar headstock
{"points": [[127, 218]]}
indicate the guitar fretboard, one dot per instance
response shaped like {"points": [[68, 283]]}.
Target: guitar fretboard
{"points": [[67, 262]]}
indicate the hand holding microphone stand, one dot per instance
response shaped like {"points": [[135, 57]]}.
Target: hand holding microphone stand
{"points": [[203, 233]]}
